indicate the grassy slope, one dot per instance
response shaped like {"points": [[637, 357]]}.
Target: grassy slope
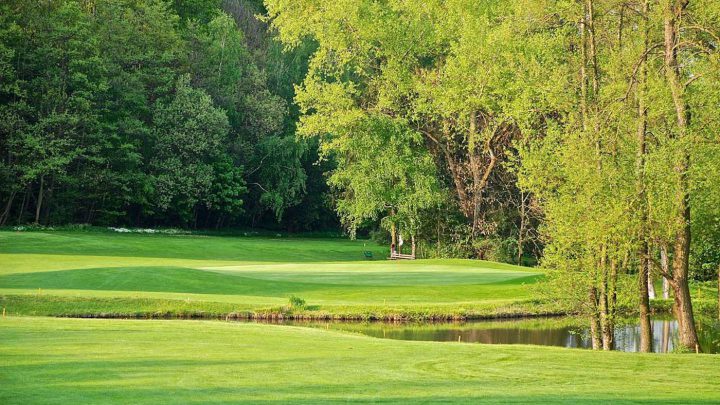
{"points": [[77, 273], [153, 362]]}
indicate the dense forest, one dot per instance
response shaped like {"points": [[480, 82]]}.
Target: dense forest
{"points": [[185, 114], [582, 133], [153, 113]]}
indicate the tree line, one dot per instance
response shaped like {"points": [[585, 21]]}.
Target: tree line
{"points": [[590, 126], [151, 113]]}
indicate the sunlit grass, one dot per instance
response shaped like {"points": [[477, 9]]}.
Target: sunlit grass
{"points": [[65, 273], [154, 362]]}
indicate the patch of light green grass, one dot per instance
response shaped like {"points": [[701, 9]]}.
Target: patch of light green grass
{"points": [[154, 362], [249, 272]]}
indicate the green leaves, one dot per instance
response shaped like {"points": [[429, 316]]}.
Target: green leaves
{"points": [[189, 137], [382, 171]]}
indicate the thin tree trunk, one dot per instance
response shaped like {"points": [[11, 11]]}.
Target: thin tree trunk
{"points": [[475, 171], [438, 247], [521, 230], [621, 26], [592, 47], [393, 234], [607, 320], [645, 324], [583, 72], [644, 277], [88, 217], [613, 295], [8, 206], [455, 172], [603, 309], [48, 201], [594, 319], [24, 203], [683, 304], [38, 206], [595, 327]]}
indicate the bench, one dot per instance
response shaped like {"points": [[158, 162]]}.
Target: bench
{"points": [[400, 256], [368, 254]]}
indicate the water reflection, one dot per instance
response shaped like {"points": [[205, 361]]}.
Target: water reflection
{"points": [[627, 338], [562, 332]]}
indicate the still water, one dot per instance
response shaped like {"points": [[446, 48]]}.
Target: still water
{"points": [[563, 332]]}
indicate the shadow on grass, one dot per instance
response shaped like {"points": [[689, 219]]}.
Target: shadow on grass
{"points": [[155, 279]]}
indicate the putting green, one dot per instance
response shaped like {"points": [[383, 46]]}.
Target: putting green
{"points": [[253, 273]]}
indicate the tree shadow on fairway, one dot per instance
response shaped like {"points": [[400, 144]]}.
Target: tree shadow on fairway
{"points": [[195, 247], [154, 279], [165, 279]]}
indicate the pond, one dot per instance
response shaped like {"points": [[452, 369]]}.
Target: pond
{"points": [[562, 332]]}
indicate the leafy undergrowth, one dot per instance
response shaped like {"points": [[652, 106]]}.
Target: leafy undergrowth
{"points": [[702, 306]]}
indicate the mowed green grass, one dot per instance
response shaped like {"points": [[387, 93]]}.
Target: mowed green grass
{"points": [[64, 361], [242, 273], [55, 360]]}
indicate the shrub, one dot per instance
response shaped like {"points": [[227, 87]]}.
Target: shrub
{"points": [[296, 302]]}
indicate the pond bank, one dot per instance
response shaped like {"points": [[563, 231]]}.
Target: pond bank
{"points": [[149, 308], [568, 332]]}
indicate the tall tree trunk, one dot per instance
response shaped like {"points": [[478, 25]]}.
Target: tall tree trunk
{"points": [[590, 10], [644, 271], [8, 206], [48, 201], [521, 229], [474, 161], [645, 324], [613, 292], [393, 234], [583, 71], [38, 206], [89, 216], [24, 203], [604, 304], [683, 304], [594, 319], [607, 312], [586, 55]]}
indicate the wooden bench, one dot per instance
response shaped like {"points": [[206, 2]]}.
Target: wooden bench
{"points": [[400, 256]]}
